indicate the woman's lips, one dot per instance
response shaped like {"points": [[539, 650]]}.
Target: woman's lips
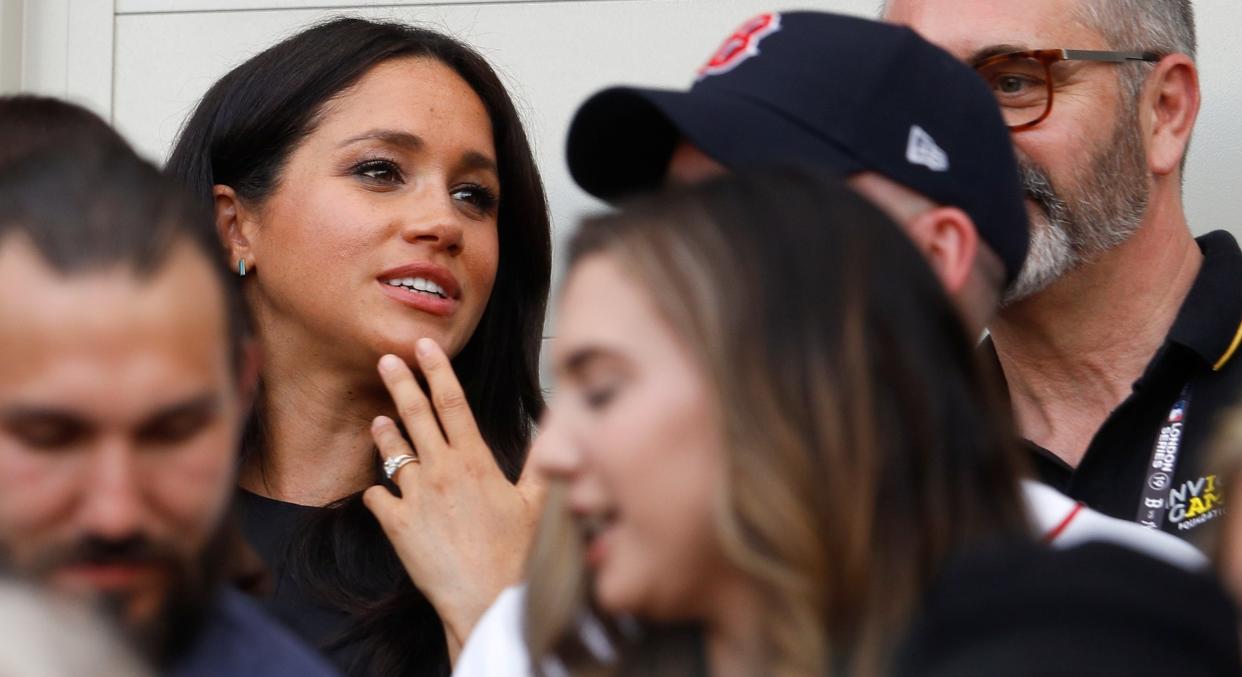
{"points": [[424, 301], [597, 529], [597, 549]]}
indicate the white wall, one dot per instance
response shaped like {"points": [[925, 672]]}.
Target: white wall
{"points": [[144, 63], [10, 45]]}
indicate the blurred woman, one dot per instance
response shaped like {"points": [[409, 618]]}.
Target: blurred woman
{"points": [[772, 453], [808, 440], [373, 186]]}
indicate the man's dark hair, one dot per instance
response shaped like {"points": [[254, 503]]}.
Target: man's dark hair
{"points": [[29, 123], [89, 204]]}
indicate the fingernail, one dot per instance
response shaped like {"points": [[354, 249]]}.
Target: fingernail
{"points": [[380, 421], [390, 363], [425, 346]]}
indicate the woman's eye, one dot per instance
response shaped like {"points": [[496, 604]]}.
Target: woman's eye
{"points": [[378, 171], [598, 398], [479, 197]]}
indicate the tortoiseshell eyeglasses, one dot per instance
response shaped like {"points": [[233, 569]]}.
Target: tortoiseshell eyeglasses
{"points": [[1022, 81]]}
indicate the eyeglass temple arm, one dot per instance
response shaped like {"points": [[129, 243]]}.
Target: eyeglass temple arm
{"points": [[1111, 57]]}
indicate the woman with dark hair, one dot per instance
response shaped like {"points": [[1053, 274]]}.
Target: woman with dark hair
{"points": [[373, 186], [772, 453]]}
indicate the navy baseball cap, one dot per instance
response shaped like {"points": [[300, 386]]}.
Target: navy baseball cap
{"points": [[820, 90]]}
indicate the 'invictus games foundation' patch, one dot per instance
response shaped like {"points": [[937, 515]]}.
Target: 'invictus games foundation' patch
{"points": [[1195, 503]]}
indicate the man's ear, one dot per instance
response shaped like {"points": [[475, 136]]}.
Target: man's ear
{"points": [[948, 240], [1170, 107], [235, 226]]}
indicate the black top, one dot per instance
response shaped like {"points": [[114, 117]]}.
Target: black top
{"points": [[269, 526], [1097, 609], [1021, 609], [1113, 472]]}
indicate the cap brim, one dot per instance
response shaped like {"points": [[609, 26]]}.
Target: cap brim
{"points": [[621, 139]]}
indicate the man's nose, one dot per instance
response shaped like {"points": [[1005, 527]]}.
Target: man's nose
{"points": [[113, 508]]}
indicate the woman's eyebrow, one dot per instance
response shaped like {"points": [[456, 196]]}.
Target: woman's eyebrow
{"points": [[391, 137], [471, 160], [474, 160], [579, 359]]}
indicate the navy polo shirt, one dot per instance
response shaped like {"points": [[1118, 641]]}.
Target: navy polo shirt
{"points": [[238, 639]]}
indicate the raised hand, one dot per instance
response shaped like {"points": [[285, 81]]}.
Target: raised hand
{"points": [[461, 529]]}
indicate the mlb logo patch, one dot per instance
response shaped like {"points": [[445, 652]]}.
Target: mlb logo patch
{"points": [[741, 45]]}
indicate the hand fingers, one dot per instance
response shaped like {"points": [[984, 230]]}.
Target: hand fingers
{"points": [[412, 406], [392, 447], [446, 395], [382, 504]]}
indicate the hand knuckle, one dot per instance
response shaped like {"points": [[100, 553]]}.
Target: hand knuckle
{"points": [[410, 408], [450, 400]]}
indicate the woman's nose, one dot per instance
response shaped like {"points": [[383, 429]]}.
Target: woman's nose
{"points": [[435, 221], [553, 451]]}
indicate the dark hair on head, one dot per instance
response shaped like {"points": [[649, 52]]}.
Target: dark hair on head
{"points": [[29, 122], [241, 135], [87, 202], [862, 444]]}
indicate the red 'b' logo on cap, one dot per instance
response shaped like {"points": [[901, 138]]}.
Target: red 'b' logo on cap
{"points": [[743, 44]]}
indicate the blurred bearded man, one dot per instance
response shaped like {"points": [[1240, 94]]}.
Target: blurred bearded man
{"points": [[124, 381]]}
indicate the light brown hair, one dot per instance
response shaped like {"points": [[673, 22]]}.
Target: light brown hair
{"points": [[861, 447]]}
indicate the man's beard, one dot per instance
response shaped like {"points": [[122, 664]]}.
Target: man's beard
{"points": [[1106, 206], [165, 635]]}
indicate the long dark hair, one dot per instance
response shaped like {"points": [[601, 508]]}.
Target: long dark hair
{"points": [[863, 444], [241, 135]]}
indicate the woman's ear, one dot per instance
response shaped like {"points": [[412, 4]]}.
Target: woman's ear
{"points": [[235, 226]]}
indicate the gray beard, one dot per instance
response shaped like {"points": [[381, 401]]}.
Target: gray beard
{"points": [[1072, 228]]}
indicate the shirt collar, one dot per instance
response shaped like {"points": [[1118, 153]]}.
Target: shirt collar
{"points": [[1209, 322]]}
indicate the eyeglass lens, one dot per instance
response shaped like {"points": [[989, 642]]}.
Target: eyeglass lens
{"points": [[1021, 87]]}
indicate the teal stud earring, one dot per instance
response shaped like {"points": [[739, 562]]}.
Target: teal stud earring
{"points": [[241, 267]]}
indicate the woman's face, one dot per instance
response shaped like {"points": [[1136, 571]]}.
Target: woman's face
{"points": [[635, 432], [382, 229]]}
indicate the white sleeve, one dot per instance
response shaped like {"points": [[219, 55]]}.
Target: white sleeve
{"points": [[1059, 521], [495, 648]]}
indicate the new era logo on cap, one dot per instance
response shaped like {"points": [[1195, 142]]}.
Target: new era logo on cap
{"points": [[921, 149]]}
